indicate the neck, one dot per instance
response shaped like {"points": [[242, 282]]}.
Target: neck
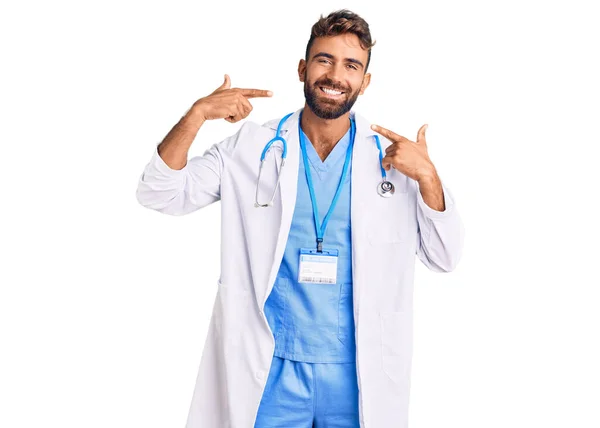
{"points": [[324, 134]]}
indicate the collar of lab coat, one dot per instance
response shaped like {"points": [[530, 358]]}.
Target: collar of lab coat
{"points": [[363, 128]]}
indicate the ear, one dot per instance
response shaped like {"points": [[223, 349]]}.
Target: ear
{"points": [[365, 83], [301, 70]]}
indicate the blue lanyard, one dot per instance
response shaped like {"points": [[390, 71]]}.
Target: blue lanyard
{"points": [[320, 229]]}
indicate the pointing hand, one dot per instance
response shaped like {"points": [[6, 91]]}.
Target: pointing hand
{"points": [[408, 157], [229, 103]]}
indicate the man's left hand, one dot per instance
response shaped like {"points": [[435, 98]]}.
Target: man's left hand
{"points": [[408, 157]]}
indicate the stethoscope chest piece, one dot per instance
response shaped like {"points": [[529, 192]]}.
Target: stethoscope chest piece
{"points": [[385, 189]]}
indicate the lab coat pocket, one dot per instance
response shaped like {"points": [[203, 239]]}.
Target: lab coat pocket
{"points": [[388, 219], [232, 310], [396, 344]]}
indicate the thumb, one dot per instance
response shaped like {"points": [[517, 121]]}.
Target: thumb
{"points": [[421, 133], [226, 84]]}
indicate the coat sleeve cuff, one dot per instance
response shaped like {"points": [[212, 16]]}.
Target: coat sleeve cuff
{"points": [[430, 212], [160, 165]]}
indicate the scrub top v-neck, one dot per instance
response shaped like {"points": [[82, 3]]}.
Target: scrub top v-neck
{"points": [[315, 322]]}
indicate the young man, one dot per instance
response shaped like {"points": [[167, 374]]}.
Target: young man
{"points": [[312, 323]]}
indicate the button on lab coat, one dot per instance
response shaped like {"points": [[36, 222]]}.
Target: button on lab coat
{"points": [[388, 234]]}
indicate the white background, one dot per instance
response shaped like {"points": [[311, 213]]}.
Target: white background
{"points": [[104, 304]]}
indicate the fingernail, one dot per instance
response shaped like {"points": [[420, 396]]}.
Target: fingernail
{"points": [[269, 93]]}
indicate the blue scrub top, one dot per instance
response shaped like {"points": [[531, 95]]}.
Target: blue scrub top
{"points": [[315, 322]]}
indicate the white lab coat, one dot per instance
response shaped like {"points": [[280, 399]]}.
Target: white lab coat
{"points": [[387, 233]]}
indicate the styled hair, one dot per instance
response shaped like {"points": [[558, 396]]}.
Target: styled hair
{"points": [[341, 22]]}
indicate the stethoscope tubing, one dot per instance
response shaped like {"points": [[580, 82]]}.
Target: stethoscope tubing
{"points": [[385, 188]]}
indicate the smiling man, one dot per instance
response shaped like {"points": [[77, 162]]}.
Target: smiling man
{"points": [[312, 322]]}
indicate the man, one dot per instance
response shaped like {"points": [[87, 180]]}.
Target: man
{"points": [[312, 323]]}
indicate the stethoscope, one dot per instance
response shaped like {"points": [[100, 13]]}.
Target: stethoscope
{"points": [[385, 188]]}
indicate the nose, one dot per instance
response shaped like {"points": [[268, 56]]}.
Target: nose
{"points": [[335, 74]]}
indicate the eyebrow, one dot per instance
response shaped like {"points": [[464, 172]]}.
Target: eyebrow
{"points": [[327, 55]]}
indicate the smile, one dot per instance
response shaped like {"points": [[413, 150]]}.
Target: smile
{"points": [[330, 92]]}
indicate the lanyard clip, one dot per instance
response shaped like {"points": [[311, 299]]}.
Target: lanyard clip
{"points": [[319, 245]]}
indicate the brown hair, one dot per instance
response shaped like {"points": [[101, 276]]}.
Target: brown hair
{"points": [[341, 22]]}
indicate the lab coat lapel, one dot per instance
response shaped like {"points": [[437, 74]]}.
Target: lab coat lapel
{"points": [[288, 187], [362, 159]]}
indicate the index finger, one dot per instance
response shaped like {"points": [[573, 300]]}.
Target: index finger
{"points": [[392, 136], [253, 93]]}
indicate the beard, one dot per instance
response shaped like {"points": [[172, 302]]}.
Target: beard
{"points": [[328, 108]]}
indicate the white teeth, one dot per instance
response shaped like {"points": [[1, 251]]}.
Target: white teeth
{"points": [[331, 91]]}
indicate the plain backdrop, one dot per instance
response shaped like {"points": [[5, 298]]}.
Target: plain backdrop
{"points": [[105, 305]]}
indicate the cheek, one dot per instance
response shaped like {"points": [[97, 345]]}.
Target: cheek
{"points": [[312, 74], [355, 83]]}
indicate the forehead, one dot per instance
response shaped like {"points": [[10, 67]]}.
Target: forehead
{"points": [[343, 46]]}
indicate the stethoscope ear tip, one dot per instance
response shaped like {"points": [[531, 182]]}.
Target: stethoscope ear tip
{"points": [[257, 205]]}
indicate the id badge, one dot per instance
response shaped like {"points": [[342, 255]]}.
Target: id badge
{"points": [[318, 268]]}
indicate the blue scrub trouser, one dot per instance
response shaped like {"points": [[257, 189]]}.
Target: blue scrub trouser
{"points": [[309, 395]]}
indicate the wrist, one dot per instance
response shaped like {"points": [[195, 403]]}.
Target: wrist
{"points": [[427, 175], [194, 117]]}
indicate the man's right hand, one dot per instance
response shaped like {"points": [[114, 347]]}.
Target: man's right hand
{"points": [[228, 103]]}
